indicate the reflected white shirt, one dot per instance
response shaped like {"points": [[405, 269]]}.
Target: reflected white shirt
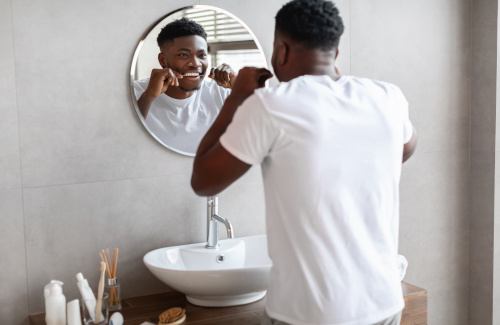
{"points": [[180, 124]]}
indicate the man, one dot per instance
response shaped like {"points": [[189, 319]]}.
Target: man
{"points": [[331, 149], [177, 102]]}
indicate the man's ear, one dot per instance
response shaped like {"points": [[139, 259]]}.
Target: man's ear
{"points": [[162, 59], [283, 53]]}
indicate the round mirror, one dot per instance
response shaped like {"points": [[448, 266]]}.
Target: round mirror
{"points": [[176, 96]]}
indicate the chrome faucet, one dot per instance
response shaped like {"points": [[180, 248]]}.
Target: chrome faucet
{"points": [[212, 223]]}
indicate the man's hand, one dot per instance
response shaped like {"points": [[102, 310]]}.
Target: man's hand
{"points": [[160, 80], [248, 80], [223, 75]]}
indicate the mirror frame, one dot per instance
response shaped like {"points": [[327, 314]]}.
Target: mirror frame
{"points": [[138, 48]]}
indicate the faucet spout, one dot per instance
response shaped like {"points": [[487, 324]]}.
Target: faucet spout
{"points": [[227, 223], [212, 219]]}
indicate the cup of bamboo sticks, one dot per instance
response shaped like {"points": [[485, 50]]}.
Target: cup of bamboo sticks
{"points": [[112, 283], [113, 290]]}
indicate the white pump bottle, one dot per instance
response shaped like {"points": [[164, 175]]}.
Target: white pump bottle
{"points": [[55, 303]]}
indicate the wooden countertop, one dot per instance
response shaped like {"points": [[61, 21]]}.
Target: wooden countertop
{"points": [[147, 308]]}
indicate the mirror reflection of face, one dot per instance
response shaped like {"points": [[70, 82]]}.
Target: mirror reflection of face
{"points": [[177, 123], [187, 55]]}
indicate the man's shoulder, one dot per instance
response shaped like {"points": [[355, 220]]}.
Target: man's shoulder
{"points": [[140, 86], [305, 85], [375, 84], [276, 90], [380, 89], [143, 83], [212, 87]]}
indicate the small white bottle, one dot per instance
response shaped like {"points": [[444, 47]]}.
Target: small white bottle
{"points": [[73, 312], [55, 303]]}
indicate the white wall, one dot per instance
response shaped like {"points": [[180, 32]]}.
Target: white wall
{"points": [[78, 173]]}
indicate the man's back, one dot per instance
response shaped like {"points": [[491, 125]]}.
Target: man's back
{"points": [[331, 158]]}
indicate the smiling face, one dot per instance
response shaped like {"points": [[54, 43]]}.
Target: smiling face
{"points": [[188, 56]]}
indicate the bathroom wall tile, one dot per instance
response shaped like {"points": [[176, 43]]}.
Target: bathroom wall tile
{"points": [[67, 225], [388, 43], [243, 204], [344, 58], [482, 237], [446, 313], [483, 58], [437, 214], [77, 121], [13, 291], [434, 229], [10, 170], [483, 75]]}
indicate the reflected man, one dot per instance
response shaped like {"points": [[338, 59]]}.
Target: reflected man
{"points": [[177, 102]]}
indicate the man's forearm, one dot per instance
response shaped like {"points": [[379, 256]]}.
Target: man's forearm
{"points": [[220, 125], [215, 168], [144, 104]]}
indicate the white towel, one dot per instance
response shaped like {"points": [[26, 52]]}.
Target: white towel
{"points": [[403, 265]]}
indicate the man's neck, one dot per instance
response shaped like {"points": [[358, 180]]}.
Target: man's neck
{"points": [[178, 93], [315, 70], [315, 63], [330, 71]]}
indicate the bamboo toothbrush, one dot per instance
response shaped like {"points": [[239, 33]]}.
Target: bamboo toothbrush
{"points": [[100, 293]]}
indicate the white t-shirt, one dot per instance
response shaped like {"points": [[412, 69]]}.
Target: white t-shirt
{"points": [[180, 124], [331, 157]]}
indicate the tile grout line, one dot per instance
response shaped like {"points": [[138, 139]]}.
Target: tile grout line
{"points": [[20, 157], [121, 179], [97, 181]]}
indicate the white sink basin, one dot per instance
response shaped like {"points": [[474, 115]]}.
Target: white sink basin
{"points": [[236, 273]]}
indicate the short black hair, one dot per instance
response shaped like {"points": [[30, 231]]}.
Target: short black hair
{"points": [[314, 23], [178, 28]]}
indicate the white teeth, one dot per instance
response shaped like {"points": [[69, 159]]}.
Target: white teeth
{"points": [[191, 74]]}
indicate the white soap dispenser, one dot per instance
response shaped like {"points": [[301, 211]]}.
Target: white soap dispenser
{"points": [[55, 303]]}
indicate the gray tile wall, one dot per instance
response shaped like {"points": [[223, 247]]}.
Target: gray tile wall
{"points": [[422, 46], [13, 271], [79, 173], [483, 57]]}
